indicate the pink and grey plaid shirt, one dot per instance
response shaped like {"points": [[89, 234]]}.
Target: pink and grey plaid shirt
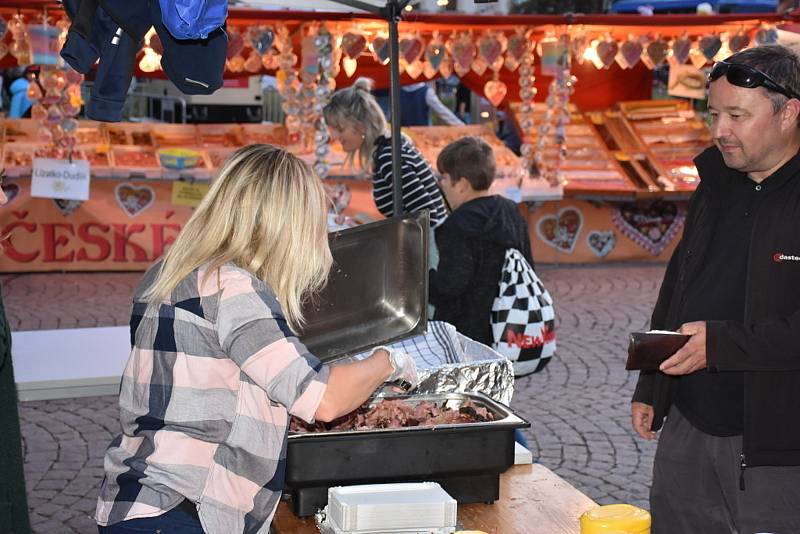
{"points": [[203, 404]]}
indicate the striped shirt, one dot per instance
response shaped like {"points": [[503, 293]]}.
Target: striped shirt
{"points": [[420, 190], [203, 404]]}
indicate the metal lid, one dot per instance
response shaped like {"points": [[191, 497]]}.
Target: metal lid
{"points": [[377, 292]]}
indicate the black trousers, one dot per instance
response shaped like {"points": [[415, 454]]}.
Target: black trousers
{"points": [[13, 501], [696, 486]]}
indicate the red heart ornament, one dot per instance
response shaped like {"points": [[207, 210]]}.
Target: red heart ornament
{"points": [[739, 42], [607, 51], [134, 199], [495, 91], [380, 48], [353, 44], [518, 45], [490, 48], [767, 36], [657, 51], [601, 242], [681, 47], [463, 52], [631, 52], [411, 49], [652, 226], [710, 45]]}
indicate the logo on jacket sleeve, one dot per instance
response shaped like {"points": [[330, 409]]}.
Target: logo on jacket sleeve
{"points": [[780, 257]]}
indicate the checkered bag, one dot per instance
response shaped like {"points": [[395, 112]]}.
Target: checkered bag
{"points": [[523, 318]]}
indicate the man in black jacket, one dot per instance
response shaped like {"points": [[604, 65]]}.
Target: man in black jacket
{"points": [[728, 458]]}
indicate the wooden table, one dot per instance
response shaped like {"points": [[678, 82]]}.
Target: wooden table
{"points": [[532, 499]]}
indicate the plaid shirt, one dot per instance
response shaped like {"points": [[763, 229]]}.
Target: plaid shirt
{"points": [[203, 404]]}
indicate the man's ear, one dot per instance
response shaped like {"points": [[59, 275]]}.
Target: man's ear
{"points": [[791, 114]]}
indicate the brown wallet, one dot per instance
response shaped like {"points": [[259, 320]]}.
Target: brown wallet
{"points": [[647, 350]]}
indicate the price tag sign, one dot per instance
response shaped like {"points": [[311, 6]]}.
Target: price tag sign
{"points": [[188, 194], [61, 178]]}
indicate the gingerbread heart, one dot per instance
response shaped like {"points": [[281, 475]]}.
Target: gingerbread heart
{"points": [[601, 242], [235, 44], [652, 226], [680, 49], [463, 53], [518, 45], [490, 48], [607, 52], [380, 48], [561, 231], [434, 54], [134, 199], [766, 36], [495, 91], [630, 52], [739, 42], [709, 46], [11, 191], [261, 39], [66, 207], [479, 66], [411, 49], [657, 51], [353, 44]]}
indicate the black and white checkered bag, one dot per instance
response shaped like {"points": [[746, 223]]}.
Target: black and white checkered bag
{"points": [[523, 318]]}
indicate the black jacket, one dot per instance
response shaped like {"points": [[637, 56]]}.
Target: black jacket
{"points": [[765, 343], [472, 245]]}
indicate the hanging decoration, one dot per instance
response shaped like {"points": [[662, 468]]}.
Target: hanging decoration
{"points": [[766, 35], [235, 62], [56, 96], [462, 50], [655, 53], [527, 92], [629, 53], [319, 80], [20, 40], [436, 59], [681, 48], [517, 49], [288, 84], [352, 46], [739, 42]]}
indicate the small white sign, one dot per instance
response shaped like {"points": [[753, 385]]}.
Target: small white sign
{"points": [[686, 81], [60, 178]]}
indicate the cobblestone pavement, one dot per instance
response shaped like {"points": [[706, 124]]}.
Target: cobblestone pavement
{"points": [[578, 405]]}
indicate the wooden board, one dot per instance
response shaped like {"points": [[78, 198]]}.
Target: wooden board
{"points": [[532, 499]]}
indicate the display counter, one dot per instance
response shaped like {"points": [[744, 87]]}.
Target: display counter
{"points": [[532, 499]]}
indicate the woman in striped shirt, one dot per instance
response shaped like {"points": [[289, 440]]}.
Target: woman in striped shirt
{"points": [[356, 120]]}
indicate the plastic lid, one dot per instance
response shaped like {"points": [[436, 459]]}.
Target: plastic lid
{"points": [[623, 518]]}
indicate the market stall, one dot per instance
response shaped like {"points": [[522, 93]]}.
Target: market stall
{"points": [[597, 180]]}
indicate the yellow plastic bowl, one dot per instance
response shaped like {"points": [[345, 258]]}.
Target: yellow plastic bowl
{"points": [[617, 519], [179, 158]]}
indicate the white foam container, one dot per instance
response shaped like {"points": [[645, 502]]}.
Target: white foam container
{"points": [[402, 507]]}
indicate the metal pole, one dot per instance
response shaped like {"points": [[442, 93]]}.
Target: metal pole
{"points": [[394, 73]]}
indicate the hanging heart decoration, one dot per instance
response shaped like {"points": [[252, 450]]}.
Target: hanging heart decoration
{"points": [[657, 51], [235, 44], [681, 47], [414, 69], [353, 44], [490, 49], [577, 46], [766, 35], [380, 49], [697, 58], [253, 63], [629, 53], [435, 53], [607, 52], [463, 52], [260, 38], [516, 48], [411, 49], [495, 91], [709, 45], [739, 42]]}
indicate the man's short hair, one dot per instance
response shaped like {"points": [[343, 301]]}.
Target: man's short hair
{"points": [[778, 62], [471, 158]]}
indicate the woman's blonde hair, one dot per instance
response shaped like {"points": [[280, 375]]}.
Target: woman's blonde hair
{"points": [[266, 212], [355, 106]]}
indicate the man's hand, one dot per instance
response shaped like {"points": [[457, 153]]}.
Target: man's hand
{"points": [[642, 419], [692, 356]]}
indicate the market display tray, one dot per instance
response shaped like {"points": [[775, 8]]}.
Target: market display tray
{"points": [[465, 459]]}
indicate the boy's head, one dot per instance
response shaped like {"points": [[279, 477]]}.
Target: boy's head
{"points": [[467, 167], [470, 158]]}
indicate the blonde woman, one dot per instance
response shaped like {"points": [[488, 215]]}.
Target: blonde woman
{"points": [[357, 121], [216, 368]]}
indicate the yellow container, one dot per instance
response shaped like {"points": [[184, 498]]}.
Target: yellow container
{"points": [[616, 519]]}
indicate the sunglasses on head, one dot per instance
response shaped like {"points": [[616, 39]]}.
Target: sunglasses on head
{"points": [[749, 77]]}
